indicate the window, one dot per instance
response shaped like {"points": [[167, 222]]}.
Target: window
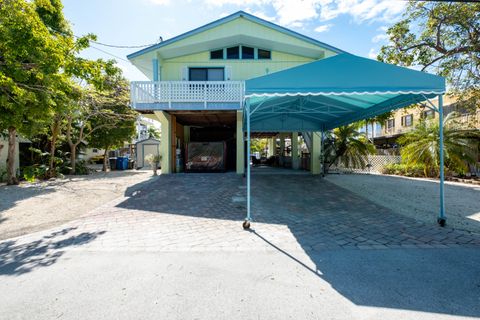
{"points": [[216, 54], [390, 124], [429, 114], [233, 53], [247, 53], [264, 54], [407, 120], [206, 74]]}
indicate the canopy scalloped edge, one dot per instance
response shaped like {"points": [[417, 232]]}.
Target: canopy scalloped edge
{"points": [[293, 94]]}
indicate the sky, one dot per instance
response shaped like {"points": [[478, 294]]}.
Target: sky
{"points": [[356, 26]]}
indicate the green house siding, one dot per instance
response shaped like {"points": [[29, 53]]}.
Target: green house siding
{"points": [[287, 51], [172, 69]]}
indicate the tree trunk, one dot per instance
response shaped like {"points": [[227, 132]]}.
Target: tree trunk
{"points": [[11, 174], [105, 160], [73, 158], [53, 144]]}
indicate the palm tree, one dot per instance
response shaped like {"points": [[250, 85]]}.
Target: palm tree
{"points": [[349, 146], [421, 145]]}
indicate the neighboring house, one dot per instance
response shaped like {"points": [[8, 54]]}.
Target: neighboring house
{"points": [[385, 135], [196, 82]]}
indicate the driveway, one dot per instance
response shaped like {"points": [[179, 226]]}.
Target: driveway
{"points": [[173, 248]]}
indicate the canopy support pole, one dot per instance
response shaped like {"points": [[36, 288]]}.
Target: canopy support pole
{"points": [[441, 216], [246, 223]]}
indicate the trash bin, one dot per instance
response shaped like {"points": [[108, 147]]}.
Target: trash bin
{"points": [[113, 163], [122, 163]]}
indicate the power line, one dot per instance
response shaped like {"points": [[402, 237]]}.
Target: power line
{"points": [[120, 46], [106, 52]]}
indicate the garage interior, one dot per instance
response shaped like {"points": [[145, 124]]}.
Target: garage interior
{"points": [[206, 127]]}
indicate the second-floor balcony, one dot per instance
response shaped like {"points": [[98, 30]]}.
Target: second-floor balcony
{"points": [[187, 95]]}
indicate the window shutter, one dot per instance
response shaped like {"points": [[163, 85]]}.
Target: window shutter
{"points": [[228, 73], [184, 74], [403, 121]]}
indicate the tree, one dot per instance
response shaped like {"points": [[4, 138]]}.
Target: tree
{"points": [[421, 145], [38, 64], [154, 133], [443, 38], [119, 126], [30, 60], [348, 145]]}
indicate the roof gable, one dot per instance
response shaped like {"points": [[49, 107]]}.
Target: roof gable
{"points": [[313, 43]]}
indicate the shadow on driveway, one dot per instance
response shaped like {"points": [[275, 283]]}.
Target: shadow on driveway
{"points": [[333, 226], [19, 258]]}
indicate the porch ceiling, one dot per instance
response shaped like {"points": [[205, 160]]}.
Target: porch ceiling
{"points": [[206, 118]]}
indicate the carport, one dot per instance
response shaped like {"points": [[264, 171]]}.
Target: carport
{"points": [[332, 92]]}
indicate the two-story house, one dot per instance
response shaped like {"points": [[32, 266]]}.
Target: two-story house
{"points": [[197, 78]]}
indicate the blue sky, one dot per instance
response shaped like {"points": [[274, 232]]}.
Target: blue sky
{"points": [[356, 26]]}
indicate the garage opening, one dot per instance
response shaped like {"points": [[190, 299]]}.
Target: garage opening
{"points": [[205, 141]]}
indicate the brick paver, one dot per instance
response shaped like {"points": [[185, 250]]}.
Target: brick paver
{"points": [[203, 212]]}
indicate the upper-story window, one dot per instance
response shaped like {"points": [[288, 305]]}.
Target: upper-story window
{"points": [[206, 74], [407, 120], [216, 54], [390, 124], [248, 53], [428, 114], [240, 52], [233, 53], [264, 54]]}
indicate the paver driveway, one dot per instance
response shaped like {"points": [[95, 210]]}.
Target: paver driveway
{"points": [[203, 212], [174, 248]]}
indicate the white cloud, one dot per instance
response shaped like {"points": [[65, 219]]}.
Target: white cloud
{"points": [[290, 12], [372, 54], [323, 28], [362, 10], [380, 37], [260, 14]]}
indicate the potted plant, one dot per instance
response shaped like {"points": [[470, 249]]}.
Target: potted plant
{"points": [[154, 162]]}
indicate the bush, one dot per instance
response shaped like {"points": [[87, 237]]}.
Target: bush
{"points": [[404, 170], [37, 171], [81, 167]]}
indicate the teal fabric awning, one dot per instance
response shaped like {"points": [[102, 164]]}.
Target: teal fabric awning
{"points": [[335, 91]]}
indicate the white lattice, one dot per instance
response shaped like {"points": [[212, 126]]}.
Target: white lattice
{"points": [[375, 164], [186, 91]]}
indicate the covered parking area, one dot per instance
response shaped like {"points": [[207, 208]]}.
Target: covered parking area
{"points": [[332, 92]]}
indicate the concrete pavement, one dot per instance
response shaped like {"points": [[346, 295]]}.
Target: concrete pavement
{"points": [[174, 249]]}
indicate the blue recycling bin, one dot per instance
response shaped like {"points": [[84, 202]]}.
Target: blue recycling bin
{"points": [[122, 163]]}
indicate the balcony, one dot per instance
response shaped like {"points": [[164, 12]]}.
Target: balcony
{"points": [[187, 95]]}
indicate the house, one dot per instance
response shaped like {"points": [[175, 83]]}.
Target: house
{"points": [[197, 79], [385, 135]]}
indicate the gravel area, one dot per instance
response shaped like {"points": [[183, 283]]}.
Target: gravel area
{"points": [[417, 198], [31, 207]]}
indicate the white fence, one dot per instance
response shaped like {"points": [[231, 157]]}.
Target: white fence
{"points": [[186, 92]]}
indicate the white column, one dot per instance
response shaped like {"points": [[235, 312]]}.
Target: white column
{"points": [[295, 157], [315, 166], [166, 141]]}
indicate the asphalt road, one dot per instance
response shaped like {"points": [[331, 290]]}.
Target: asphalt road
{"points": [[337, 284]]}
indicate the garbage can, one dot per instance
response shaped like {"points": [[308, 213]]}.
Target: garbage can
{"points": [[113, 163], [122, 163]]}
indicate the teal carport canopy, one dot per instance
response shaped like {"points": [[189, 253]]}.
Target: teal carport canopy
{"points": [[334, 91]]}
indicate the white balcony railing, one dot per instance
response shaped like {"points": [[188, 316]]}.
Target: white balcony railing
{"points": [[169, 93]]}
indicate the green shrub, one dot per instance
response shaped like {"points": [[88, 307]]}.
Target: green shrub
{"points": [[81, 167], [32, 173], [404, 170]]}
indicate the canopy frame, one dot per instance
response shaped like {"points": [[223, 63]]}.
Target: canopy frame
{"points": [[248, 112]]}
